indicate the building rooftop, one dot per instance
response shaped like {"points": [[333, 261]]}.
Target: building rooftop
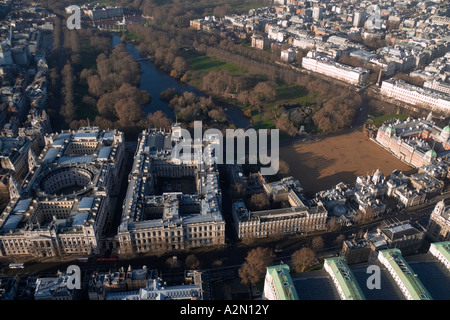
{"points": [[443, 248], [406, 274], [345, 278]]}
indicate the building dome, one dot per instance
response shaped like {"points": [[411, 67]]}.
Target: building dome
{"points": [[446, 129], [390, 130]]}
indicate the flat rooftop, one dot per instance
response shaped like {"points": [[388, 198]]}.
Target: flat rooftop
{"points": [[318, 285]]}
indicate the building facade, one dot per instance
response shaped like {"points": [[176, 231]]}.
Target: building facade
{"points": [[170, 204], [406, 279], [438, 228], [325, 66], [278, 284], [417, 142], [297, 216], [441, 250], [343, 279], [422, 97], [63, 204]]}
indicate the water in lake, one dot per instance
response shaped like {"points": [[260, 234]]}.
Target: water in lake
{"points": [[154, 81]]}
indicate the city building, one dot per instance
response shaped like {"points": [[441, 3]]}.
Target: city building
{"points": [[405, 277], [63, 204], [356, 251], [421, 97], [14, 153], [433, 275], [171, 203], [155, 290], [417, 142], [441, 250], [288, 55], [54, 288], [437, 85], [359, 18], [343, 279], [325, 66], [101, 284], [439, 170], [429, 185], [438, 228], [278, 284], [144, 284], [103, 12], [404, 235], [260, 42], [294, 215]]}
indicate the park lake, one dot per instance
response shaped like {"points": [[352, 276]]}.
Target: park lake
{"points": [[154, 81]]}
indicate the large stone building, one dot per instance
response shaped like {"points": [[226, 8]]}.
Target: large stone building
{"points": [[438, 228], [63, 204], [292, 215], [403, 275], [171, 203], [343, 279], [417, 142], [441, 250], [422, 97], [278, 284], [317, 63]]}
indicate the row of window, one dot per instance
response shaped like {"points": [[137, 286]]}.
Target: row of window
{"points": [[174, 246], [150, 234]]}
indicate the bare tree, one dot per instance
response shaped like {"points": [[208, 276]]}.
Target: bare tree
{"points": [[259, 201], [286, 126], [283, 167], [192, 262], [317, 243], [339, 240], [333, 224], [255, 265], [302, 259]]}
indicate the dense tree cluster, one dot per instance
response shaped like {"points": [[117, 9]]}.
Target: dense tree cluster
{"points": [[189, 107], [337, 112], [114, 84]]}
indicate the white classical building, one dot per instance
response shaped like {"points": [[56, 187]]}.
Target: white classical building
{"points": [[441, 250], [405, 277], [422, 97], [438, 228], [317, 63], [170, 203], [63, 203]]}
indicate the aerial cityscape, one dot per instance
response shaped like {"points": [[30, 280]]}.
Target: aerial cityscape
{"points": [[227, 150]]}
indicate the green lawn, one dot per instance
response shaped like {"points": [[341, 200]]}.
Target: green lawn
{"points": [[204, 64], [377, 121], [291, 94]]}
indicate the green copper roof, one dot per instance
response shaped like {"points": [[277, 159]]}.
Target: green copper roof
{"points": [[345, 278], [446, 129], [283, 282], [407, 276]]}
